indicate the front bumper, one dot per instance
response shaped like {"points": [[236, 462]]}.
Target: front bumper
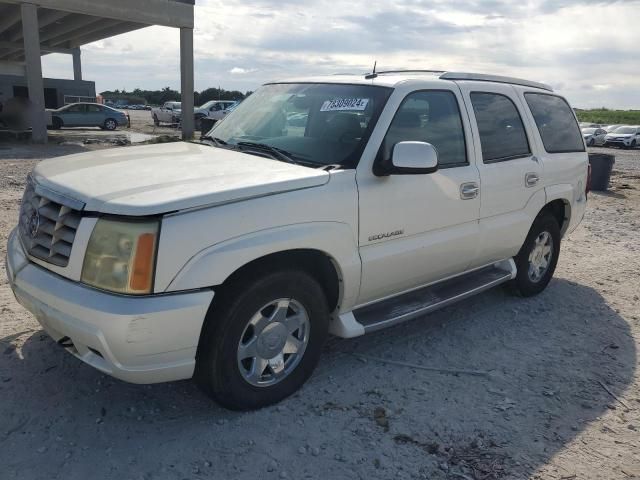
{"points": [[619, 142], [146, 339]]}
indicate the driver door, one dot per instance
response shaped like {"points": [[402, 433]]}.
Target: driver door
{"points": [[416, 229]]}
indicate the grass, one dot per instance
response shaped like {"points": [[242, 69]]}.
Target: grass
{"points": [[605, 116]]}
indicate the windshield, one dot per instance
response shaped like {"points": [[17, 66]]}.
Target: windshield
{"points": [[625, 130], [320, 124], [589, 131]]}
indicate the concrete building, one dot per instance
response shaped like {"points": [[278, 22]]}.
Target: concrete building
{"points": [[57, 92], [30, 29]]}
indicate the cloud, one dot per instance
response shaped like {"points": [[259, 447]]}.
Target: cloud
{"points": [[240, 44], [241, 71]]}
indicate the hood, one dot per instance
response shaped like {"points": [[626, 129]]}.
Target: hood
{"points": [[621, 135], [154, 179]]}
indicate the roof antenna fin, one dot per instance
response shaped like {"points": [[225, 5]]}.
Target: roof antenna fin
{"points": [[373, 74]]}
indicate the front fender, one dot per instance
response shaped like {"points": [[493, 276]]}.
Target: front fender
{"points": [[214, 264]]}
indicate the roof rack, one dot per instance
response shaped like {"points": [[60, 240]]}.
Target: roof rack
{"points": [[493, 78]]}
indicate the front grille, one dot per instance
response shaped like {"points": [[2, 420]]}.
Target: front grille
{"points": [[47, 227]]}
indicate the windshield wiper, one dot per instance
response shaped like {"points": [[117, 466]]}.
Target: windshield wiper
{"points": [[276, 152], [218, 142]]}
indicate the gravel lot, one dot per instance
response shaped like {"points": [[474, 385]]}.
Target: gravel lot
{"points": [[543, 404]]}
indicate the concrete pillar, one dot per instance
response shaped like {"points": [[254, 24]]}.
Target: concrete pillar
{"points": [[186, 76], [31, 36], [77, 64]]}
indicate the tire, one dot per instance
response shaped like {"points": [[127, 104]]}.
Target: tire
{"points": [[56, 123], [110, 124], [229, 330], [528, 283], [156, 122], [633, 145]]}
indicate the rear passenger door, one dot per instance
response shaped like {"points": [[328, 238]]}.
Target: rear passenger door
{"points": [[510, 172]]}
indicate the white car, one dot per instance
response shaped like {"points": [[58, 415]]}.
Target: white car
{"points": [[170, 112], [215, 109], [593, 136], [231, 260], [625, 136]]}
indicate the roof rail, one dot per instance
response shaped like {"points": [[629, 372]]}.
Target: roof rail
{"points": [[383, 72], [493, 78]]}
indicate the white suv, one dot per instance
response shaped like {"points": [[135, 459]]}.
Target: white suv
{"points": [[337, 205], [624, 136]]}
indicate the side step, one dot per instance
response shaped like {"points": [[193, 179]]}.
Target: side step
{"points": [[418, 302]]}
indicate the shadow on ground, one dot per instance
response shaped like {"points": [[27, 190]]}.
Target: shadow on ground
{"points": [[541, 361]]}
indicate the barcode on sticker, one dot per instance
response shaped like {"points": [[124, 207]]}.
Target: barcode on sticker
{"points": [[338, 104]]}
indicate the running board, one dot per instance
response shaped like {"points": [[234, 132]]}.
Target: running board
{"points": [[407, 306]]}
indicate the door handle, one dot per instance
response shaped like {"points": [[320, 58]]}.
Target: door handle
{"points": [[531, 179], [469, 190]]}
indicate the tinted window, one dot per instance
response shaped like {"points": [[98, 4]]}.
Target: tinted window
{"points": [[77, 108], [94, 108], [502, 133], [556, 123], [433, 117]]}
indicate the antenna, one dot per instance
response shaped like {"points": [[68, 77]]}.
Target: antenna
{"points": [[373, 74]]}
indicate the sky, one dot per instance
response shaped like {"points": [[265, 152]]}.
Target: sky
{"points": [[587, 50]]}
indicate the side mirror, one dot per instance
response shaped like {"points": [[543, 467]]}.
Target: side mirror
{"points": [[410, 158]]}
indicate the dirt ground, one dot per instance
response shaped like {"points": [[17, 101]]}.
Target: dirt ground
{"points": [[556, 394]]}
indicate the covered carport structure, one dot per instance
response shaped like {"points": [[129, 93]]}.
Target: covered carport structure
{"points": [[30, 29]]}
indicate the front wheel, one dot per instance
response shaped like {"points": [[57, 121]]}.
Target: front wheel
{"points": [[537, 259], [110, 124], [262, 341]]}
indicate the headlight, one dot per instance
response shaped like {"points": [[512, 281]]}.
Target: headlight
{"points": [[121, 256]]}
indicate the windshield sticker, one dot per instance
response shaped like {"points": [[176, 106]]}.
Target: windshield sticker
{"points": [[341, 104]]}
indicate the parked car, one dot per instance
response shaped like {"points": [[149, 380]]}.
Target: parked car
{"points": [[88, 115], [625, 136], [170, 112], [611, 128], [231, 260], [215, 109], [594, 136]]}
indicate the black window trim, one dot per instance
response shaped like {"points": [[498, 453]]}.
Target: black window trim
{"points": [[524, 128], [379, 160], [538, 128]]}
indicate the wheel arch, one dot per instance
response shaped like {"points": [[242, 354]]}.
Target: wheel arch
{"points": [[318, 264], [561, 211]]}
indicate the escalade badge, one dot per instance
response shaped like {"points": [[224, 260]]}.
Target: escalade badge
{"points": [[382, 236], [34, 224]]}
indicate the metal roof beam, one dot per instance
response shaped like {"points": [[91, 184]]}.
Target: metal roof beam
{"points": [[149, 12]]}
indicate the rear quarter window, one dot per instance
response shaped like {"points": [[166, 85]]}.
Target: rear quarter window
{"points": [[556, 123]]}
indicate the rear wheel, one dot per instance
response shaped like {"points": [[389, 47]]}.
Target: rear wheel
{"points": [[538, 257], [262, 341], [110, 124]]}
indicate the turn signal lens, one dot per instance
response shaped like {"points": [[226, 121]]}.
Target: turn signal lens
{"points": [[142, 272]]}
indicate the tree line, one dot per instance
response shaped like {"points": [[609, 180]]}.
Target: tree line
{"points": [[167, 94]]}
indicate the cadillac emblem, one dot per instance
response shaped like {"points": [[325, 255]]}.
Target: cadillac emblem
{"points": [[34, 224]]}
